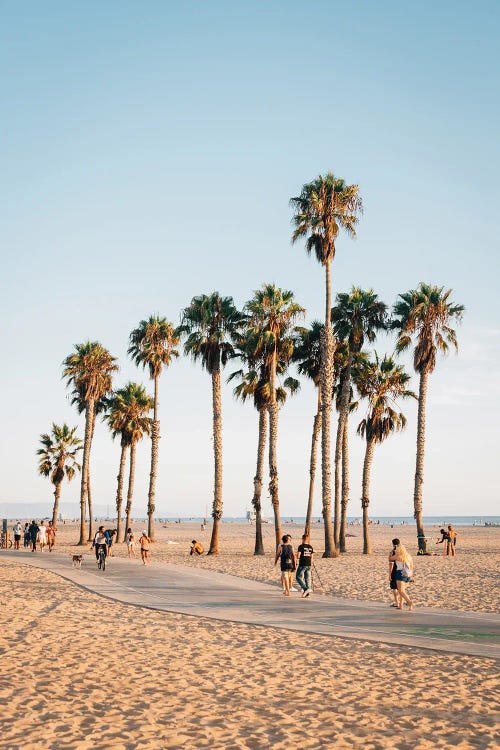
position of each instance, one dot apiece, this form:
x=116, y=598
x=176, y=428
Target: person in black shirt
x=303, y=574
x=392, y=575
x=286, y=556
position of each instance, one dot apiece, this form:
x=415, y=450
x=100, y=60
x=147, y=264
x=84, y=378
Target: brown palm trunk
x=419, y=470
x=328, y=351
x=130, y=490
x=89, y=420
x=55, y=509
x=89, y=488
x=312, y=464
x=119, y=491
x=345, y=382
x=257, y=481
x=273, y=458
x=365, y=500
x=217, y=437
x=345, y=485
x=155, y=446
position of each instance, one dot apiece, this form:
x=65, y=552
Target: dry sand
x=81, y=672
x=468, y=581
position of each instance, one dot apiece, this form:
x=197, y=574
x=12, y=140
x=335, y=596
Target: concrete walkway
x=203, y=593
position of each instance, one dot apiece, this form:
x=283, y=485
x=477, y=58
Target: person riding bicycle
x=101, y=541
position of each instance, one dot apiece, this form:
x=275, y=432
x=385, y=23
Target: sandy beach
x=82, y=672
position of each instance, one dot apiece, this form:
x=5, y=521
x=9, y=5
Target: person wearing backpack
x=286, y=556
x=404, y=573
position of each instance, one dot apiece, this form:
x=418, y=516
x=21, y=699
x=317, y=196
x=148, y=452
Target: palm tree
x=153, y=345
x=272, y=314
x=356, y=316
x=325, y=206
x=139, y=425
x=89, y=370
x=381, y=383
x=211, y=324
x=256, y=385
x=126, y=417
x=307, y=355
x=424, y=315
x=58, y=458
x=99, y=407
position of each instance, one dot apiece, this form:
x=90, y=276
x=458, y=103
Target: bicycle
x=101, y=559
x=5, y=542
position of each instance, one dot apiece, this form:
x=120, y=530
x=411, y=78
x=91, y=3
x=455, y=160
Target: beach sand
x=81, y=672
x=469, y=581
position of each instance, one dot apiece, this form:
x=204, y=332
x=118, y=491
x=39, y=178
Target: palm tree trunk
x=57, y=495
x=312, y=464
x=419, y=470
x=89, y=488
x=155, y=446
x=130, y=490
x=217, y=436
x=257, y=481
x=328, y=351
x=273, y=442
x=345, y=382
x=345, y=485
x=89, y=419
x=365, y=500
x=119, y=491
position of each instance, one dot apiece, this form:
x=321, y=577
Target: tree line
x=267, y=339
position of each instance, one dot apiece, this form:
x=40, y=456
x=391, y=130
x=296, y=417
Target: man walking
x=303, y=574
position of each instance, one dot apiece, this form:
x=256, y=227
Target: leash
x=319, y=579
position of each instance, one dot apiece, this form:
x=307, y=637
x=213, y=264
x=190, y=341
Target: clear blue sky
x=148, y=151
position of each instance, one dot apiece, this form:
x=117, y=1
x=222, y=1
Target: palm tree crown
x=357, y=315
x=307, y=351
x=58, y=453
x=90, y=370
x=381, y=382
x=425, y=313
x=272, y=314
x=127, y=410
x=324, y=206
x=211, y=323
x=152, y=344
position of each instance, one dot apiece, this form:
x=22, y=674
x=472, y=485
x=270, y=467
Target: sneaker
x=308, y=592
x=303, y=593
x=292, y=588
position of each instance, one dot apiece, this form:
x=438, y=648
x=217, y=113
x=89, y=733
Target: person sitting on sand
x=392, y=575
x=286, y=556
x=404, y=572
x=144, y=542
x=196, y=548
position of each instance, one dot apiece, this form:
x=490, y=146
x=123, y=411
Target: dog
x=77, y=561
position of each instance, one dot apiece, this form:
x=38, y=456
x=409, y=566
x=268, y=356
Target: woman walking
x=144, y=542
x=392, y=576
x=286, y=556
x=404, y=572
x=130, y=539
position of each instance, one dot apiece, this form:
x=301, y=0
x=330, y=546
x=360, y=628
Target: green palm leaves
x=58, y=456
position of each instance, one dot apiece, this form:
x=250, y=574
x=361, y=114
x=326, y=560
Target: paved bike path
x=204, y=593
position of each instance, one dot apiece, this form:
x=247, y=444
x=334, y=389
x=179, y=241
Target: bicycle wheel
x=103, y=561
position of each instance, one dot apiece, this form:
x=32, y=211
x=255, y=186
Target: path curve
x=205, y=593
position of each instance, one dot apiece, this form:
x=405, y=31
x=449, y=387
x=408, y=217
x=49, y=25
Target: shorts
x=17, y=537
x=393, y=584
x=401, y=577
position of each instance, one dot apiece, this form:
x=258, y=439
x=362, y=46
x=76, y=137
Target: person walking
x=452, y=540
x=145, y=541
x=33, y=531
x=26, y=535
x=42, y=535
x=130, y=540
x=303, y=575
x=286, y=556
x=392, y=575
x=404, y=573
x=18, y=530
x=51, y=536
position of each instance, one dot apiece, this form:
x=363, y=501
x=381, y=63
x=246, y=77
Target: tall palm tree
x=153, y=345
x=211, y=324
x=99, y=408
x=356, y=316
x=126, y=417
x=424, y=316
x=272, y=314
x=255, y=385
x=89, y=370
x=139, y=425
x=307, y=355
x=325, y=206
x=58, y=458
x=381, y=382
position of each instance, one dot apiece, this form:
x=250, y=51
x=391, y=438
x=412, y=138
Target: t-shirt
x=17, y=529
x=42, y=532
x=305, y=555
x=100, y=538
x=286, y=555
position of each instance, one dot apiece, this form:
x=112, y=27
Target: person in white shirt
x=42, y=535
x=18, y=530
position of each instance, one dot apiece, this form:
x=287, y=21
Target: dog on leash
x=77, y=561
